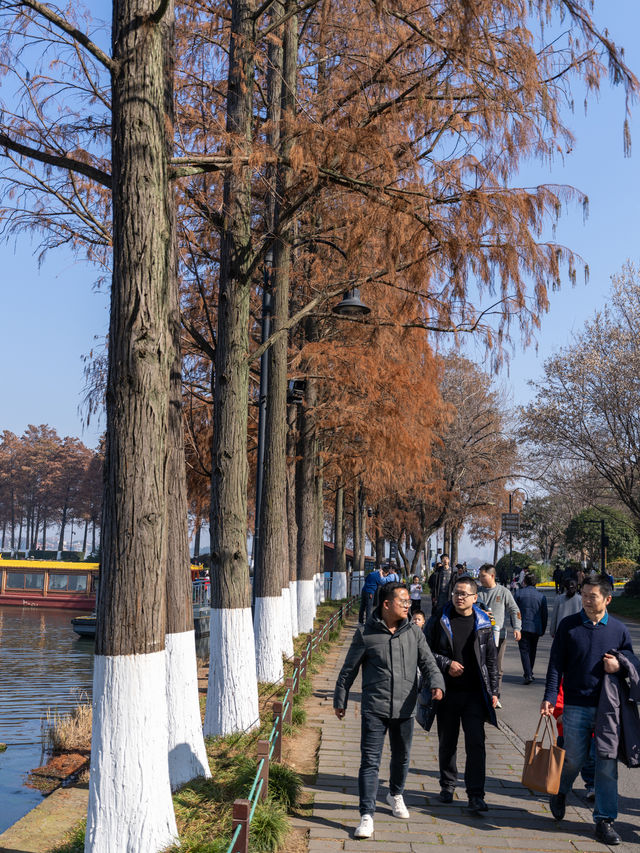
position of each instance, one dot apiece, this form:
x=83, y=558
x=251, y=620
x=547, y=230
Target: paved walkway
x=517, y=820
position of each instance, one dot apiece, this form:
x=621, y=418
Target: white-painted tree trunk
x=321, y=596
x=306, y=605
x=339, y=586
x=267, y=628
x=187, y=752
x=287, y=633
x=293, y=601
x=232, y=694
x=130, y=806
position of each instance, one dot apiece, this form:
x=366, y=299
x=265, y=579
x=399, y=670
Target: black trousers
x=469, y=710
x=528, y=645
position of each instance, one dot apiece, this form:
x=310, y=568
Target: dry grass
x=69, y=732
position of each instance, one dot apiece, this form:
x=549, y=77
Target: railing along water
x=271, y=749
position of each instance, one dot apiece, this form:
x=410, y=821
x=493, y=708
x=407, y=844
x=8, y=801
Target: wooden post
x=277, y=713
x=303, y=665
x=288, y=683
x=263, y=752
x=296, y=666
x=241, y=810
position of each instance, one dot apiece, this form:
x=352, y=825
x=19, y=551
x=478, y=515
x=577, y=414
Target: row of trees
x=367, y=145
x=46, y=484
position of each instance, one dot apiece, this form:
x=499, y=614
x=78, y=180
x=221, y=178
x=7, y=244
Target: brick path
x=517, y=819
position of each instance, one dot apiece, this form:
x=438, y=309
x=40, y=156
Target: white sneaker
x=365, y=829
x=397, y=806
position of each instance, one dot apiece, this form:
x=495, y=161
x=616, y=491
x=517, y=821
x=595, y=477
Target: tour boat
x=48, y=583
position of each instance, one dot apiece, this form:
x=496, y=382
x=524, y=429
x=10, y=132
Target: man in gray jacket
x=390, y=651
x=498, y=602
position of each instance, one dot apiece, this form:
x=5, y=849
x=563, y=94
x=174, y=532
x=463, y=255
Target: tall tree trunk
x=196, y=540
x=63, y=523
x=306, y=515
x=130, y=806
x=496, y=542
x=339, y=579
x=232, y=695
x=455, y=532
x=44, y=533
x=320, y=537
x=186, y=748
x=292, y=525
x=269, y=576
x=93, y=537
x=356, y=532
x=85, y=536
x=446, y=540
x=362, y=524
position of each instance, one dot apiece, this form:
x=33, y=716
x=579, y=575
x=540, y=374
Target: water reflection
x=43, y=665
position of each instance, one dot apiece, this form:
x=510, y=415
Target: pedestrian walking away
x=558, y=577
x=371, y=584
x=498, y=603
x=592, y=656
x=569, y=603
x=390, y=650
x=534, y=613
x=461, y=639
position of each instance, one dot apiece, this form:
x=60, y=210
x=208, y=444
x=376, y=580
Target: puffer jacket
x=440, y=639
x=390, y=663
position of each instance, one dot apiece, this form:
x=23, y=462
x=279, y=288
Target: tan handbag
x=543, y=764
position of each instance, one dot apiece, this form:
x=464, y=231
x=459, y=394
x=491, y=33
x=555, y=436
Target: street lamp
x=351, y=305
x=526, y=500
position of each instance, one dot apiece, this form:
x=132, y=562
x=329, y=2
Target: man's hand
x=340, y=712
x=517, y=636
x=611, y=663
x=546, y=709
x=436, y=694
x=455, y=669
x=494, y=701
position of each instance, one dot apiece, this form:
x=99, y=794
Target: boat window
x=71, y=583
x=25, y=580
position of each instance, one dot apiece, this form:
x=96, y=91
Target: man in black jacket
x=390, y=650
x=462, y=643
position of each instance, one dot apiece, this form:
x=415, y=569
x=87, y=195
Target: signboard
x=393, y=550
x=511, y=522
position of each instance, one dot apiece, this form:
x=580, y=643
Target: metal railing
x=271, y=749
x=201, y=592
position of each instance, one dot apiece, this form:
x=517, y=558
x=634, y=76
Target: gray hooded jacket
x=390, y=663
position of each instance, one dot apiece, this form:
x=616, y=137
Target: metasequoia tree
x=143, y=497
x=585, y=410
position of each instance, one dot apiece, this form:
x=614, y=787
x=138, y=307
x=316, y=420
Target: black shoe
x=557, y=804
x=527, y=679
x=446, y=796
x=606, y=833
x=477, y=804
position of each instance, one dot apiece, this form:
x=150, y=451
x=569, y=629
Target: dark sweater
x=576, y=657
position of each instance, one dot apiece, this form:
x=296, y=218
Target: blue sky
x=52, y=315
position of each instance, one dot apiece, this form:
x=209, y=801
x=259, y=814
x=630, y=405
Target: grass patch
x=625, y=607
x=69, y=732
x=74, y=842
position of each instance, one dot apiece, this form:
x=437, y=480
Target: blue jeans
x=373, y=730
x=578, y=724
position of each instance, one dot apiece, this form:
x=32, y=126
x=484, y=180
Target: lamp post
x=267, y=311
x=511, y=493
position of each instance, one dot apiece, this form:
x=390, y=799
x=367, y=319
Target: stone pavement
x=517, y=820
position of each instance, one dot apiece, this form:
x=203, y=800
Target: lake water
x=43, y=665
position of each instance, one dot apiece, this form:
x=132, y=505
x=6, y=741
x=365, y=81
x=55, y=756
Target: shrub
x=285, y=786
x=74, y=842
x=268, y=829
x=632, y=587
x=622, y=568
x=70, y=732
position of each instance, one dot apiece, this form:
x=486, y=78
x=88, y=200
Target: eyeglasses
x=403, y=602
x=463, y=594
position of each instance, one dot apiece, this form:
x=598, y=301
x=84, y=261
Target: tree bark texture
x=132, y=612
x=306, y=513
x=228, y=525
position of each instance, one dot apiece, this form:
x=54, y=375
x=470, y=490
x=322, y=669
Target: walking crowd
x=447, y=670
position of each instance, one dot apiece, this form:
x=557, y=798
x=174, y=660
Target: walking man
x=566, y=605
x=499, y=602
x=583, y=653
x=390, y=651
x=461, y=639
x=371, y=583
x=534, y=612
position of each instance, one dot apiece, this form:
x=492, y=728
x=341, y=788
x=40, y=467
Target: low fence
x=271, y=749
